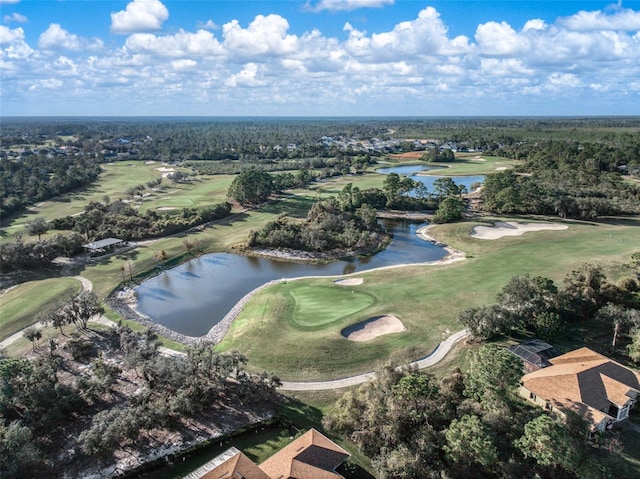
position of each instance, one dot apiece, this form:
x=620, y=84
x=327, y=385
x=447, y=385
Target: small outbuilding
x=104, y=245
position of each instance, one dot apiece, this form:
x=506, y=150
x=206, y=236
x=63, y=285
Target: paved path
x=436, y=356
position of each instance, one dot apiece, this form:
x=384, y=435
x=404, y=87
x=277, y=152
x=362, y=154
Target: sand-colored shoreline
x=501, y=229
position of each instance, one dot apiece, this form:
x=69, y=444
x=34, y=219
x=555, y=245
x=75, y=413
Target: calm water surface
x=193, y=297
x=427, y=180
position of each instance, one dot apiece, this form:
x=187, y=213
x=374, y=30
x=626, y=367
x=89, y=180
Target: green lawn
x=318, y=306
x=427, y=299
x=113, y=182
x=22, y=306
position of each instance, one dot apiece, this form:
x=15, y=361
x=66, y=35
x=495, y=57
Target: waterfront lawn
x=26, y=303
x=427, y=299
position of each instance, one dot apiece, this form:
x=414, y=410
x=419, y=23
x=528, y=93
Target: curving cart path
x=436, y=356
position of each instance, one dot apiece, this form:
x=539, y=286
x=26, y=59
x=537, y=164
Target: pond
x=193, y=297
x=427, y=180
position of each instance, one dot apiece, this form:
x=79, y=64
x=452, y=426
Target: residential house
x=597, y=388
x=310, y=456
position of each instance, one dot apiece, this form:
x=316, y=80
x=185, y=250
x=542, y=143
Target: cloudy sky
x=319, y=57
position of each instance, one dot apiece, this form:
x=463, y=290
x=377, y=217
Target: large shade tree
x=252, y=186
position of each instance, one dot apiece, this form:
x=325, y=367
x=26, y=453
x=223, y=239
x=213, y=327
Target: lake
x=427, y=180
x=196, y=295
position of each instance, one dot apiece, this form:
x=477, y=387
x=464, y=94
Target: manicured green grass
x=23, y=305
x=319, y=306
x=113, y=182
x=427, y=299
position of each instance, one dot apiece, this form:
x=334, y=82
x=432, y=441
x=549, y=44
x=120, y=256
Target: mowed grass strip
x=23, y=305
x=318, y=306
x=427, y=299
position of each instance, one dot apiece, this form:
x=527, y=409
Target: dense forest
x=88, y=397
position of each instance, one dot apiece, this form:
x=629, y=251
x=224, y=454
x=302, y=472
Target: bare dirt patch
x=349, y=281
x=373, y=327
x=500, y=229
x=408, y=155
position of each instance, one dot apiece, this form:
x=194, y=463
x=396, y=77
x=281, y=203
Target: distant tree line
x=568, y=179
x=412, y=424
x=119, y=219
x=50, y=410
x=38, y=178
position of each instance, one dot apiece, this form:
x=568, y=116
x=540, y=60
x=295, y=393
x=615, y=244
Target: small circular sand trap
x=349, y=281
x=372, y=328
x=500, y=229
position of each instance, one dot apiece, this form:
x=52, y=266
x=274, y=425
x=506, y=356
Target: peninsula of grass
x=26, y=303
x=427, y=299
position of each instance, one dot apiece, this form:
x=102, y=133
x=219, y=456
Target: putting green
x=318, y=306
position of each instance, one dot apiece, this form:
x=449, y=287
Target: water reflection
x=428, y=180
x=193, y=297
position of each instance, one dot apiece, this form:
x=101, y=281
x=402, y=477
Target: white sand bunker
x=372, y=328
x=501, y=168
x=349, y=281
x=500, y=229
x=166, y=208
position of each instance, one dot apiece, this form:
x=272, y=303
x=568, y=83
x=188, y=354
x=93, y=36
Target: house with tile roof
x=310, y=456
x=597, y=388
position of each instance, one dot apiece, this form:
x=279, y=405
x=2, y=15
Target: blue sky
x=319, y=58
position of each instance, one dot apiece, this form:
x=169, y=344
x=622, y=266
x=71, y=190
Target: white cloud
x=424, y=36
x=347, y=5
x=200, y=44
x=499, y=39
x=8, y=1
x=260, y=66
x=621, y=19
x=57, y=38
x=15, y=17
x=47, y=83
x=535, y=24
x=139, y=16
x=8, y=35
x=265, y=36
x=247, y=77
x=184, y=64
x=209, y=25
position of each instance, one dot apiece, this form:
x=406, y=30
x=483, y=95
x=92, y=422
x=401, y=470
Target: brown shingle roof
x=311, y=456
x=584, y=376
x=232, y=464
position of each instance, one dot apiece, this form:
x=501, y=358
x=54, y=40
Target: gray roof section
x=104, y=243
